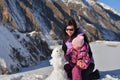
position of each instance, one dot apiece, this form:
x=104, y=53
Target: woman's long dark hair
x=70, y=22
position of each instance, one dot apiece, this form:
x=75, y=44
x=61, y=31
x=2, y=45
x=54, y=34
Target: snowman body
x=57, y=62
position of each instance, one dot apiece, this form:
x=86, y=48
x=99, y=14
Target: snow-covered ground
x=106, y=56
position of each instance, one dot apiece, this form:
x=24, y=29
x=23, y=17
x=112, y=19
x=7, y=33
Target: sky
x=106, y=57
x=112, y=3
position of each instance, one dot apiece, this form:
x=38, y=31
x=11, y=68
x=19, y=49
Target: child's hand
x=81, y=64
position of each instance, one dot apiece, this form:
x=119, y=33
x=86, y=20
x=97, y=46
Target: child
x=77, y=57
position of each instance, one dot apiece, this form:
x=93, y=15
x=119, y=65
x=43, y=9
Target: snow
x=8, y=40
x=84, y=3
x=16, y=16
x=106, y=56
x=109, y=8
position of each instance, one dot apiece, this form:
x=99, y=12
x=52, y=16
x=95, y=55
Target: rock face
x=28, y=28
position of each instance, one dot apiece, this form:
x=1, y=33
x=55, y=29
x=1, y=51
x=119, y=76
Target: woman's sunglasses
x=70, y=29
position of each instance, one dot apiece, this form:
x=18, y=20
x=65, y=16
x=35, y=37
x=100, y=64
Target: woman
x=70, y=32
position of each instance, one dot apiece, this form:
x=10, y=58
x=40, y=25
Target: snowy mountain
x=29, y=29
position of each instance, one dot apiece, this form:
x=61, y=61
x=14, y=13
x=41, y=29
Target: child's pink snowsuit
x=72, y=56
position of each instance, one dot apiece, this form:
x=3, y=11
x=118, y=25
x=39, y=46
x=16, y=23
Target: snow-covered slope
x=17, y=51
x=109, y=8
x=106, y=55
x=8, y=46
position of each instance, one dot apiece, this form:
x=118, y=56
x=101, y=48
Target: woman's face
x=70, y=30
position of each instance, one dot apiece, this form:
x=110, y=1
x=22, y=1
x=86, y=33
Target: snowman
x=57, y=62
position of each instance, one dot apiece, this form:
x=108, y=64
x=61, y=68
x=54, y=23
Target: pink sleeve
x=84, y=56
x=86, y=61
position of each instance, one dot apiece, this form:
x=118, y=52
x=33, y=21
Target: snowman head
x=57, y=58
x=57, y=52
